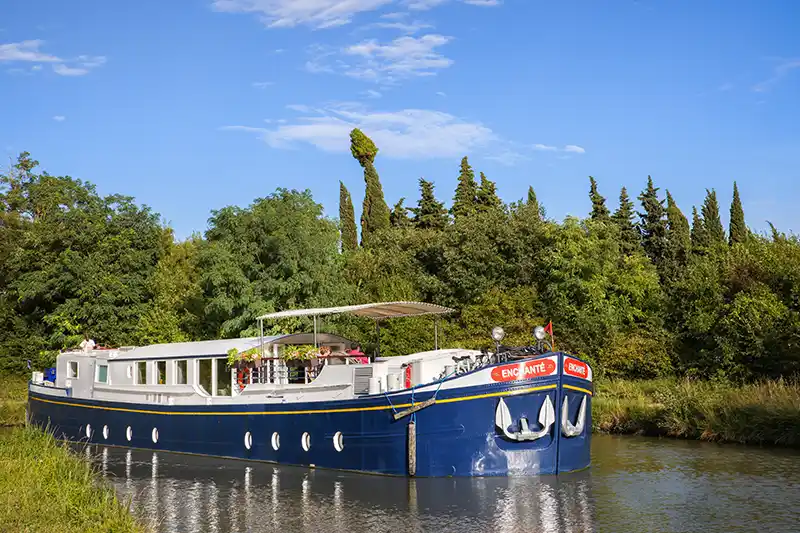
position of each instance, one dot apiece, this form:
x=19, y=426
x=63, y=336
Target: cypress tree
x=737, y=228
x=599, y=210
x=623, y=217
x=487, y=198
x=715, y=233
x=464, y=201
x=399, y=215
x=375, y=212
x=653, y=225
x=680, y=238
x=534, y=202
x=699, y=236
x=429, y=213
x=347, y=220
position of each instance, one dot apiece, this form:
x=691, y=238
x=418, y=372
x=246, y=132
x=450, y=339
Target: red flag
x=549, y=328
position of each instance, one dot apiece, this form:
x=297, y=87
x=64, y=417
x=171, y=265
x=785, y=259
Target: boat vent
x=361, y=380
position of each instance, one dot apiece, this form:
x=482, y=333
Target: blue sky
x=196, y=104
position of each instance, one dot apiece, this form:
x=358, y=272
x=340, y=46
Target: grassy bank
x=765, y=413
x=13, y=396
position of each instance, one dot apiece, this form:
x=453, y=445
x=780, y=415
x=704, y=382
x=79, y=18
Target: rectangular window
x=72, y=372
x=141, y=373
x=205, y=375
x=161, y=372
x=180, y=372
x=102, y=374
x=223, y=377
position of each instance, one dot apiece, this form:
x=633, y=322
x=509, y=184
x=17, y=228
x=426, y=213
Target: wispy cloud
x=441, y=93
x=430, y=4
x=404, y=27
x=779, y=72
x=570, y=148
x=263, y=84
x=403, y=134
x=507, y=157
x=29, y=51
x=370, y=93
x=289, y=13
x=59, y=118
x=395, y=15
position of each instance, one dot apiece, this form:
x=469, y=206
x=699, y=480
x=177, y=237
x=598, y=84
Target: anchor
x=547, y=417
x=566, y=426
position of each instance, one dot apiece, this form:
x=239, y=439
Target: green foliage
x=399, y=218
x=680, y=237
x=699, y=236
x=653, y=226
x=715, y=233
x=599, y=210
x=374, y=212
x=533, y=202
x=362, y=148
x=487, y=199
x=629, y=237
x=429, y=213
x=347, y=220
x=737, y=229
x=465, y=199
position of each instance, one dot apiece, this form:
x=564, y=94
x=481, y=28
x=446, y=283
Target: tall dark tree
x=653, y=225
x=374, y=212
x=623, y=217
x=347, y=220
x=712, y=222
x=699, y=236
x=599, y=210
x=487, y=198
x=737, y=229
x=534, y=202
x=680, y=238
x=429, y=213
x=399, y=215
x=464, y=201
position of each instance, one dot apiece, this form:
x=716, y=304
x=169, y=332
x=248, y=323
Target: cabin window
x=161, y=372
x=180, y=372
x=205, y=375
x=73, y=369
x=102, y=374
x=223, y=377
x=141, y=373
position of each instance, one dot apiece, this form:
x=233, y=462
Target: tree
x=737, y=229
x=374, y=212
x=599, y=210
x=715, y=233
x=347, y=220
x=653, y=226
x=429, y=213
x=399, y=215
x=533, y=202
x=630, y=240
x=680, y=238
x=487, y=198
x=464, y=201
x=699, y=236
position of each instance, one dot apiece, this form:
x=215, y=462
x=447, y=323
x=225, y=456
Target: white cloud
x=404, y=27
x=370, y=93
x=574, y=149
x=404, y=134
x=570, y=148
x=544, y=148
x=441, y=93
x=26, y=51
x=289, y=13
x=59, y=118
x=780, y=72
x=396, y=15
x=421, y=5
x=403, y=57
x=263, y=84
x=63, y=70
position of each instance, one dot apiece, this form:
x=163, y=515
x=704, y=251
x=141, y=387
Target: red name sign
x=573, y=367
x=531, y=369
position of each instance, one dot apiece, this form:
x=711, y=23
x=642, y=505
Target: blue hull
x=456, y=436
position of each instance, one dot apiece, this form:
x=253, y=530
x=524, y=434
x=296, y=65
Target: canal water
x=635, y=485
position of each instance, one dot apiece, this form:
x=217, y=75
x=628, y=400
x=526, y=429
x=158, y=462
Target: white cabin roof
x=373, y=310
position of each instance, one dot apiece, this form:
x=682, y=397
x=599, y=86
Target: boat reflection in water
x=181, y=493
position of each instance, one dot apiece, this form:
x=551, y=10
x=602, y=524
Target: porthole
x=88, y=431
x=306, y=441
x=105, y=432
x=248, y=440
x=276, y=441
x=155, y=435
x=129, y=433
x=338, y=441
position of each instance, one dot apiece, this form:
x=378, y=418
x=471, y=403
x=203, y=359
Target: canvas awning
x=374, y=310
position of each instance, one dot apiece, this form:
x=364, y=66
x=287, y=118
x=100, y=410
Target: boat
x=314, y=400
